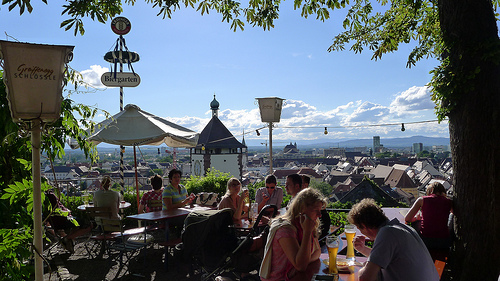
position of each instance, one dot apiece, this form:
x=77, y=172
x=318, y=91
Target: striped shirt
x=171, y=192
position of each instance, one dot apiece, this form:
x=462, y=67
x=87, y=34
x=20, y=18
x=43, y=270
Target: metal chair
x=122, y=244
x=98, y=235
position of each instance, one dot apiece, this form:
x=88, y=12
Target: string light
x=358, y=126
x=326, y=128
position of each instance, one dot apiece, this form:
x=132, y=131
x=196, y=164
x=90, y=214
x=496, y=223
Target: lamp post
x=34, y=80
x=270, y=111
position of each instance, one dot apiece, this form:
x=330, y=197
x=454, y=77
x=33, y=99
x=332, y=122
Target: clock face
x=197, y=168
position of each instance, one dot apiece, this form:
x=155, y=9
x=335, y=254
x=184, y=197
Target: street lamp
x=270, y=111
x=33, y=77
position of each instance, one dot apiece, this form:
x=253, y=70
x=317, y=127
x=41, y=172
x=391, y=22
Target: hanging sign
x=120, y=25
x=120, y=79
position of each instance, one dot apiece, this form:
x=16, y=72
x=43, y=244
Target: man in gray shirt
x=398, y=253
x=271, y=194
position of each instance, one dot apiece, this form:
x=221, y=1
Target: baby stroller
x=210, y=242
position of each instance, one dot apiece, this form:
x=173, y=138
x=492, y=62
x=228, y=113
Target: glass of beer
x=332, y=243
x=85, y=199
x=350, y=232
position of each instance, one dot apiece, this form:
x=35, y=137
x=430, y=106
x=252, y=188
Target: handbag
x=207, y=199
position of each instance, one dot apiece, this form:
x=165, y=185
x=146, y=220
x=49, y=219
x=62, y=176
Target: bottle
x=255, y=211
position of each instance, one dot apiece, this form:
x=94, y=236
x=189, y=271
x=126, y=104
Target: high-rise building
x=418, y=147
x=376, y=144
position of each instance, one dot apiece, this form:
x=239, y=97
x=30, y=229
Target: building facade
x=217, y=148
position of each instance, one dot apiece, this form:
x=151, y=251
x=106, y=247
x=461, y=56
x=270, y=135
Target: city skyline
x=189, y=58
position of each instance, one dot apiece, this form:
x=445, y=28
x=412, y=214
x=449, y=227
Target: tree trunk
x=471, y=36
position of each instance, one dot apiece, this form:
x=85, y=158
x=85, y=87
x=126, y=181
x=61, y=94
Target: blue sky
x=189, y=58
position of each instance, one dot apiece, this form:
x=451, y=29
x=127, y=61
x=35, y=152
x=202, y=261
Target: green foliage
x=13, y=251
x=339, y=219
x=155, y=172
x=252, y=189
x=214, y=181
x=166, y=159
x=325, y=188
x=425, y=154
x=386, y=154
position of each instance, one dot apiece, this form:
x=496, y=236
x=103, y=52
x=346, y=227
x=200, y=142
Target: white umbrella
x=133, y=126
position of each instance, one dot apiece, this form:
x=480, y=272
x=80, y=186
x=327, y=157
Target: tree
x=325, y=188
x=462, y=34
x=214, y=181
x=386, y=154
x=425, y=154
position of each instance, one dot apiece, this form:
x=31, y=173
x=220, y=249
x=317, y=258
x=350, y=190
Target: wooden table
x=351, y=275
x=123, y=205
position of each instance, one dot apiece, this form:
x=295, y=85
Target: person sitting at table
x=270, y=194
x=108, y=198
x=61, y=224
x=233, y=200
x=292, y=244
x=435, y=211
x=398, y=253
x=151, y=201
x=175, y=194
x=294, y=184
x=306, y=180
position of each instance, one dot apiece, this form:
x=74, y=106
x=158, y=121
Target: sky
x=185, y=60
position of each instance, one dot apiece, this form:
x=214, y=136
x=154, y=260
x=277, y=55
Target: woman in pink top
x=435, y=209
x=292, y=244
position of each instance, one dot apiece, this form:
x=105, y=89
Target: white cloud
x=356, y=119
x=367, y=113
x=412, y=101
x=93, y=75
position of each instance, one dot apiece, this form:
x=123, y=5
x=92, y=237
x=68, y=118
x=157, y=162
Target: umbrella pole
x=136, y=180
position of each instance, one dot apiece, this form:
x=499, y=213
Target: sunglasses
x=271, y=187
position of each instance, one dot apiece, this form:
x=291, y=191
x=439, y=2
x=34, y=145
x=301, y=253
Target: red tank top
x=435, y=212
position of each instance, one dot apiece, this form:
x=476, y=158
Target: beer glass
x=350, y=232
x=85, y=199
x=332, y=243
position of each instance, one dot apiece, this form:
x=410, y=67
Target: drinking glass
x=332, y=243
x=246, y=200
x=350, y=232
x=254, y=207
x=86, y=199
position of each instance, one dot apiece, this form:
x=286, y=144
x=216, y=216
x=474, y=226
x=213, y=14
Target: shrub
x=214, y=181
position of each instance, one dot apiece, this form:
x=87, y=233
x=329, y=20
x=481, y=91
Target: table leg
x=167, y=230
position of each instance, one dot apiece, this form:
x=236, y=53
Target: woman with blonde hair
x=292, y=244
x=233, y=200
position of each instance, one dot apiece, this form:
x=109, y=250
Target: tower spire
x=214, y=106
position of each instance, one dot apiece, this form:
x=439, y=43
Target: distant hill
x=386, y=142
